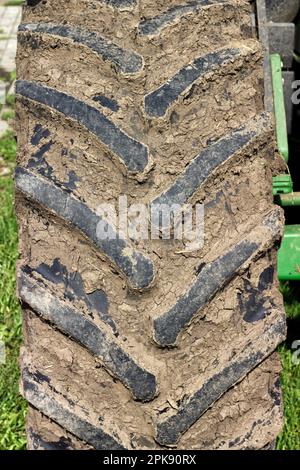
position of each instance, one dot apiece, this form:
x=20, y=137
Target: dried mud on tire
x=146, y=344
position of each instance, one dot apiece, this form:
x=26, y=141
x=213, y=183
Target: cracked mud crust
x=146, y=344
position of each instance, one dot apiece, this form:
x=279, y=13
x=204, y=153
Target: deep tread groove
x=158, y=101
x=210, y=280
x=203, y=165
x=170, y=429
x=40, y=399
x=132, y=153
x=38, y=443
x=141, y=383
x=125, y=61
x=136, y=267
x=153, y=26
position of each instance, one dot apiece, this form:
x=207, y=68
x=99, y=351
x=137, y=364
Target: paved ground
x=10, y=17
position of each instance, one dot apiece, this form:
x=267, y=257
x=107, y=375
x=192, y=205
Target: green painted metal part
x=289, y=200
x=279, y=106
x=289, y=254
x=282, y=184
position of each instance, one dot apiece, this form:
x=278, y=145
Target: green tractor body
x=289, y=253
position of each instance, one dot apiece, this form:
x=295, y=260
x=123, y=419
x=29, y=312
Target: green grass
x=8, y=115
x=12, y=406
x=289, y=439
x=8, y=149
x=13, y=3
x=291, y=295
x=10, y=100
x=12, y=76
x=5, y=37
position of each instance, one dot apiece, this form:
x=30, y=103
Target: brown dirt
x=237, y=197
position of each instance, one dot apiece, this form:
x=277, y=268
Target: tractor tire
x=158, y=343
